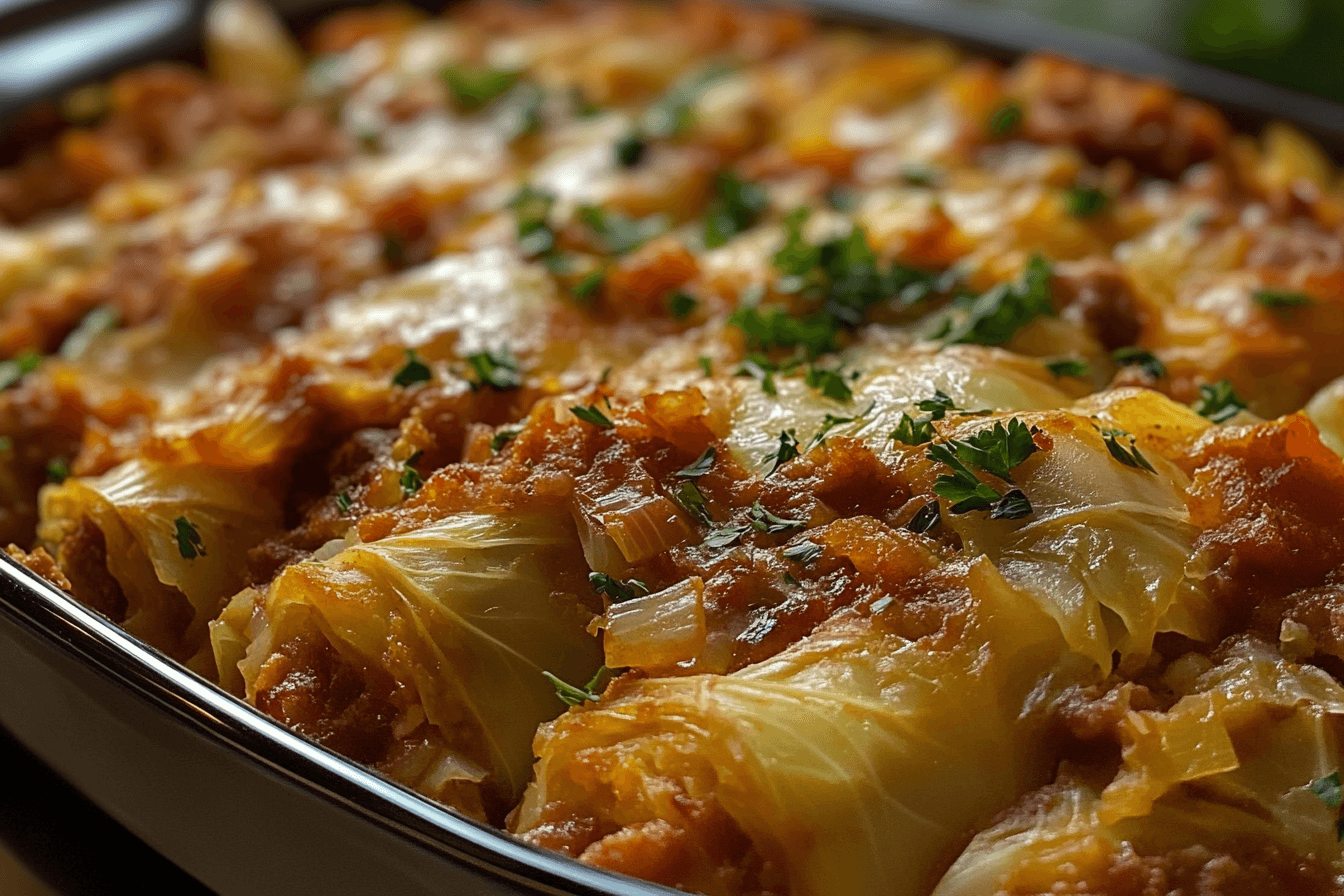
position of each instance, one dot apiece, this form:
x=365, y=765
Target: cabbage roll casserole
x=760, y=457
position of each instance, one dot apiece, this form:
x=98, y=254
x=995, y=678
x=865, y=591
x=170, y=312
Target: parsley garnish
x=926, y=519
x=997, y=451
x=680, y=304
x=1131, y=456
x=1133, y=356
x=994, y=317
x=524, y=114
x=1328, y=790
x=726, y=536
x=532, y=209
x=343, y=503
x=913, y=430
x=189, y=543
x=496, y=369
x=413, y=371
x=630, y=149
x=615, y=588
x=804, y=551
x=706, y=365
x=830, y=383
x=672, y=114
x=1012, y=506
x=917, y=175
x=97, y=322
x=592, y=415
x=410, y=477
x=962, y=487
x=503, y=436
x=1282, y=300
x=829, y=423
x=572, y=695
x=18, y=367
x=591, y=282
x=1084, y=202
x=1068, y=367
x=620, y=234
x=937, y=406
x=737, y=206
x=692, y=499
x=1218, y=402
x=763, y=520
x=760, y=368
x=58, y=470
x=787, y=450
x=1005, y=119
x=700, y=466
x=474, y=88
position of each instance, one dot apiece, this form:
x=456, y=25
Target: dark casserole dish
x=596, y=447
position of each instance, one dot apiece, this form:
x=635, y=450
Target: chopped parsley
x=532, y=208
x=1133, y=356
x=1012, y=506
x=1084, y=202
x=761, y=368
x=706, y=365
x=410, y=476
x=1282, y=300
x=524, y=114
x=503, y=436
x=829, y=423
x=994, y=317
x=475, y=87
x=700, y=466
x=999, y=449
x=17, y=368
x=572, y=695
x=1218, y=402
x=58, y=470
x=803, y=552
x=616, y=589
x=1005, y=119
x=937, y=406
x=692, y=499
x=726, y=536
x=591, y=414
x=1068, y=367
x=630, y=150
x=831, y=383
x=681, y=304
x=100, y=320
x=763, y=520
x=737, y=206
x=920, y=175
x=413, y=371
x=913, y=430
x=1328, y=790
x=189, y=543
x=496, y=369
x=620, y=234
x=1129, y=456
x=996, y=451
x=787, y=451
x=588, y=285
x=671, y=115
x=343, y=503
x=926, y=519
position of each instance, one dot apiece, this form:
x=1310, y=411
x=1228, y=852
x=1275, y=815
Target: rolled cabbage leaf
x=462, y=616
x=176, y=540
x=1252, y=736
x=858, y=760
x=1106, y=546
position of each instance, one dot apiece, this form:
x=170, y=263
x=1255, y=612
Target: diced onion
x=657, y=631
x=639, y=524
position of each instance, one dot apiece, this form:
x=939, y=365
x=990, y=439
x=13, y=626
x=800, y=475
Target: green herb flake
x=1133, y=356
x=413, y=371
x=591, y=414
x=18, y=367
x=672, y=114
x=961, y=487
x=572, y=695
x=994, y=317
x=503, y=436
x=785, y=452
x=763, y=520
x=803, y=552
x=999, y=449
x=496, y=369
x=6, y=444
x=829, y=423
x=1218, y=402
x=926, y=519
x=1084, y=202
x=1005, y=119
x=58, y=470
x=473, y=88
x=1068, y=367
x=630, y=149
x=693, y=501
x=532, y=208
x=706, y=365
x=620, y=234
x=343, y=503
x=100, y=320
x=189, y=543
x=700, y=466
x=1129, y=456
x=913, y=430
x=411, y=482
x=830, y=383
x=1012, y=506
x=737, y=206
x=726, y=536
x=1281, y=301
x=616, y=589
x=681, y=304
x=1328, y=790
x=920, y=175
x=585, y=289
x=937, y=406
x=996, y=451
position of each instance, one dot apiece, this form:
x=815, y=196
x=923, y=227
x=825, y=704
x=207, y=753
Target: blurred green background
x=1293, y=43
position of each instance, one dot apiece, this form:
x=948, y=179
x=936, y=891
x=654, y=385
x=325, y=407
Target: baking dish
x=234, y=798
